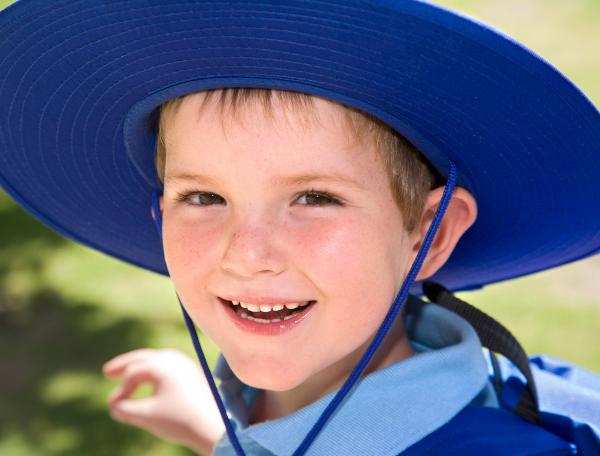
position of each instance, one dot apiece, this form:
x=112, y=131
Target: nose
x=252, y=250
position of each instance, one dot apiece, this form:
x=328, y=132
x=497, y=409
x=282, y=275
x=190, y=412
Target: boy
x=269, y=211
x=281, y=244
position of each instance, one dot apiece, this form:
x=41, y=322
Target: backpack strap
x=497, y=339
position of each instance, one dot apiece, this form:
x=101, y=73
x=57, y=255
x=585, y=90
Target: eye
x=200, y=198
x=318, y=198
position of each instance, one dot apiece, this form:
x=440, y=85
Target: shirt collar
x=390, y=409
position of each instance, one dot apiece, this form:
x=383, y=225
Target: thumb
x=134, y=375
x=137, y=412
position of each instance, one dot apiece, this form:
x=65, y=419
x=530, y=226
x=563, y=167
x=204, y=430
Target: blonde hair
x=410, y=175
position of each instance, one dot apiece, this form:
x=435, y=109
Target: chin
x=272, y=376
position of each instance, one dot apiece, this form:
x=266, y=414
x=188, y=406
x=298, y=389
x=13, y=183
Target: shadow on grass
x=51, y=352
x=24, y=242
x=46, y=339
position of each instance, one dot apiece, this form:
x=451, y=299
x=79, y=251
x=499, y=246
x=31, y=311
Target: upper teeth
x=269, y=307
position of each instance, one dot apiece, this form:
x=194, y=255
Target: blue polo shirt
x=389, y=410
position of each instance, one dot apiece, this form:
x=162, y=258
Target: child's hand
x=181, y=408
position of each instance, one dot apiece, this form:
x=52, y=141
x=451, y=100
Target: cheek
x=190, y=251
x=354, y=267
x=327, y=244
x=346, y=259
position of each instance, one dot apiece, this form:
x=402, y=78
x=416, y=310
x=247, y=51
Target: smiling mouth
x=268, y=314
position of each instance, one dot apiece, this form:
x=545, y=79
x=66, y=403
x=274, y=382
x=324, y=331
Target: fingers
x=116, y=366
x=138, y=412
x=133, y=376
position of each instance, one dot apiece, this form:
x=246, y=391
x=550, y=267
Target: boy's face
x=262, y=234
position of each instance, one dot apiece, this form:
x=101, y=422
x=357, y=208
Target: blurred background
x=65, y=309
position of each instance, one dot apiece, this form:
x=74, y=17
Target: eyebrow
x=303, y=179
x=300, y=179
x=199, y=178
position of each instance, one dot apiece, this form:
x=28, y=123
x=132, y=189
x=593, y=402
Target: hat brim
x=81, y=81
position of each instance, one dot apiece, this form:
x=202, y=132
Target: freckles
x=327, y=237
x=189, y=245
x=334, y=254
x=313, y=238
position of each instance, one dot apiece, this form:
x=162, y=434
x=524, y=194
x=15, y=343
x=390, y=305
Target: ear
x=459, y=216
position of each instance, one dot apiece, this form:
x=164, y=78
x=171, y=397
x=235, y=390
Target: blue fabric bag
x=488, y=431
x=569, y=399
x=554, y=394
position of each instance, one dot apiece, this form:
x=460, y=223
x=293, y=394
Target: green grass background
x=65, y=309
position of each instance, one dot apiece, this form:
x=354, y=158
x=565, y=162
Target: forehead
x=312, y=130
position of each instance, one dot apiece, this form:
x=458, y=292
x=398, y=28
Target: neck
x=270, y=405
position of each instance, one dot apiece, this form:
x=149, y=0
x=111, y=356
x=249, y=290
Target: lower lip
x=266, y=329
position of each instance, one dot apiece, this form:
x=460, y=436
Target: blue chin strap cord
x=156, y=215
x=369, y=353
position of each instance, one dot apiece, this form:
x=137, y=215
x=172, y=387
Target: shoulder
x=490, y=431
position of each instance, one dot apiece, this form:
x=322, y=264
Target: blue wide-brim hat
x=80, y=83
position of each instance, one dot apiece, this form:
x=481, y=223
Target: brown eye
x=201, y=199
x=317, y=199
